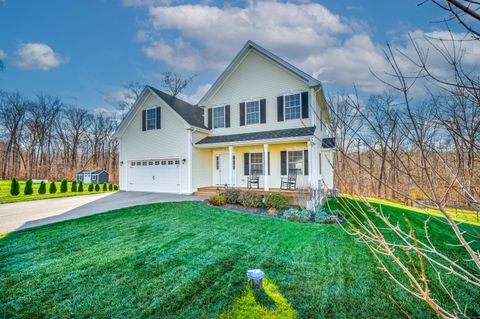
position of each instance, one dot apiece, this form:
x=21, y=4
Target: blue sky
x=85, y=51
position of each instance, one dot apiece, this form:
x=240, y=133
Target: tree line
x=44, y=138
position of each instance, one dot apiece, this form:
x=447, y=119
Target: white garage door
x=161, y=175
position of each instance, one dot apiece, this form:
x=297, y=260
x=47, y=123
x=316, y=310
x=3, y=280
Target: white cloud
x=199, y=93
x=3, y=55
x=334, y=49
x=38, y=56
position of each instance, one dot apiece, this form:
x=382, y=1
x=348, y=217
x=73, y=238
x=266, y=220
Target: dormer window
x=293, y=106
x=252, y=112
x=219, y=117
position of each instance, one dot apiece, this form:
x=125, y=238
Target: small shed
x=92, y=176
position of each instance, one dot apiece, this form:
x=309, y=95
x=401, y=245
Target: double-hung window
x=293, y=106
x=256, y=163
x=252, y=112
x=295, y=162
x=219, y=117
x=151, y=119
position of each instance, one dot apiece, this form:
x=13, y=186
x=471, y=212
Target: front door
x=221, y=169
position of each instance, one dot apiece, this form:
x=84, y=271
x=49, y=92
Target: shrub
x=105, y=188
x=97, y=187
x=90, y=187
x=115, y=187
x=110, y=187
x=14, y=187
x=80, y=186
x=297, y=215
x=73, y=189
x=325, y=217
x=43, y=188
x=251, y=199
x=218, y=200
x=28, y=187
x=276, y=201
x=64, y=186
x=232, y=195
x=53, y=188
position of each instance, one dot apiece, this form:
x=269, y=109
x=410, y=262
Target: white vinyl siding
x=144, y=147
x=292, y=106
x=252, y=112
x=256, y=77
x=219, y=117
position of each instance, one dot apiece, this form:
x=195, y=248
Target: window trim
x=155, y=118
x=224, y=116
x=284, y=105
x=303, y=160
x=259, y=111
x=250, y=162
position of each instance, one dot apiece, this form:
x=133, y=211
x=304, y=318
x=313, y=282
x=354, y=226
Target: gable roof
x=265, y=135
x=264, y=52
x=192, y=114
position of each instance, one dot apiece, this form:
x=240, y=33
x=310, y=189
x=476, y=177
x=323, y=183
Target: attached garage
x=157, y=175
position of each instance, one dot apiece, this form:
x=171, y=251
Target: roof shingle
x=266, y=135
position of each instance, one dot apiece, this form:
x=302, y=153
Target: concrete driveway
x=29, y=214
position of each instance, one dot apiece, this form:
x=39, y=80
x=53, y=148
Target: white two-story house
x=262, y=118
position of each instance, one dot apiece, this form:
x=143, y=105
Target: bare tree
x=175, y=83
x=13, y=109
x=464, y=12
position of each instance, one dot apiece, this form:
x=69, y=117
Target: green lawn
x=188, y=260
x=5, y=196
x=460, y=215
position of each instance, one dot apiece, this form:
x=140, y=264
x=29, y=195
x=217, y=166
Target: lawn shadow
x=257, y=303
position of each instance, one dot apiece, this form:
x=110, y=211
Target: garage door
x=161, y=175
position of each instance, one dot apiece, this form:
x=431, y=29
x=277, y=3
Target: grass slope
x=5, y=196
x=188, y=260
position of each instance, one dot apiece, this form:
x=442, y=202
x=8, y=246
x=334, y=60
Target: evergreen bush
x=14, y=187
x=217, y=200
x=251, y=199
x=43, y=188
x=276, y=201
x=80, y=186
x=73, y=188
x=90, y=187
x=28, y=187
x=64, y=186
x=115, y=187
x=97, y=187
x=110, y=187
x=105, y=187
x=53, y=188
x=232, y=195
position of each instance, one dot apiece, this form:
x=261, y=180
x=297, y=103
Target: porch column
x=230, y=165
x=311, y=174
x=265, y=167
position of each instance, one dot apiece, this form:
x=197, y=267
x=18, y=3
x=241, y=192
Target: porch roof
x=289, y=134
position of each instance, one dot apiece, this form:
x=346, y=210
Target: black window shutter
x=263, y=111
x=242, y=114
x=227, y=115
x=159, y=118
x=280, y=108
x=283, y=163
x=268, y=163
x=305, y=162
x=209, y=119
x=305, y=105
x=246, y=162
x=144, y=120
